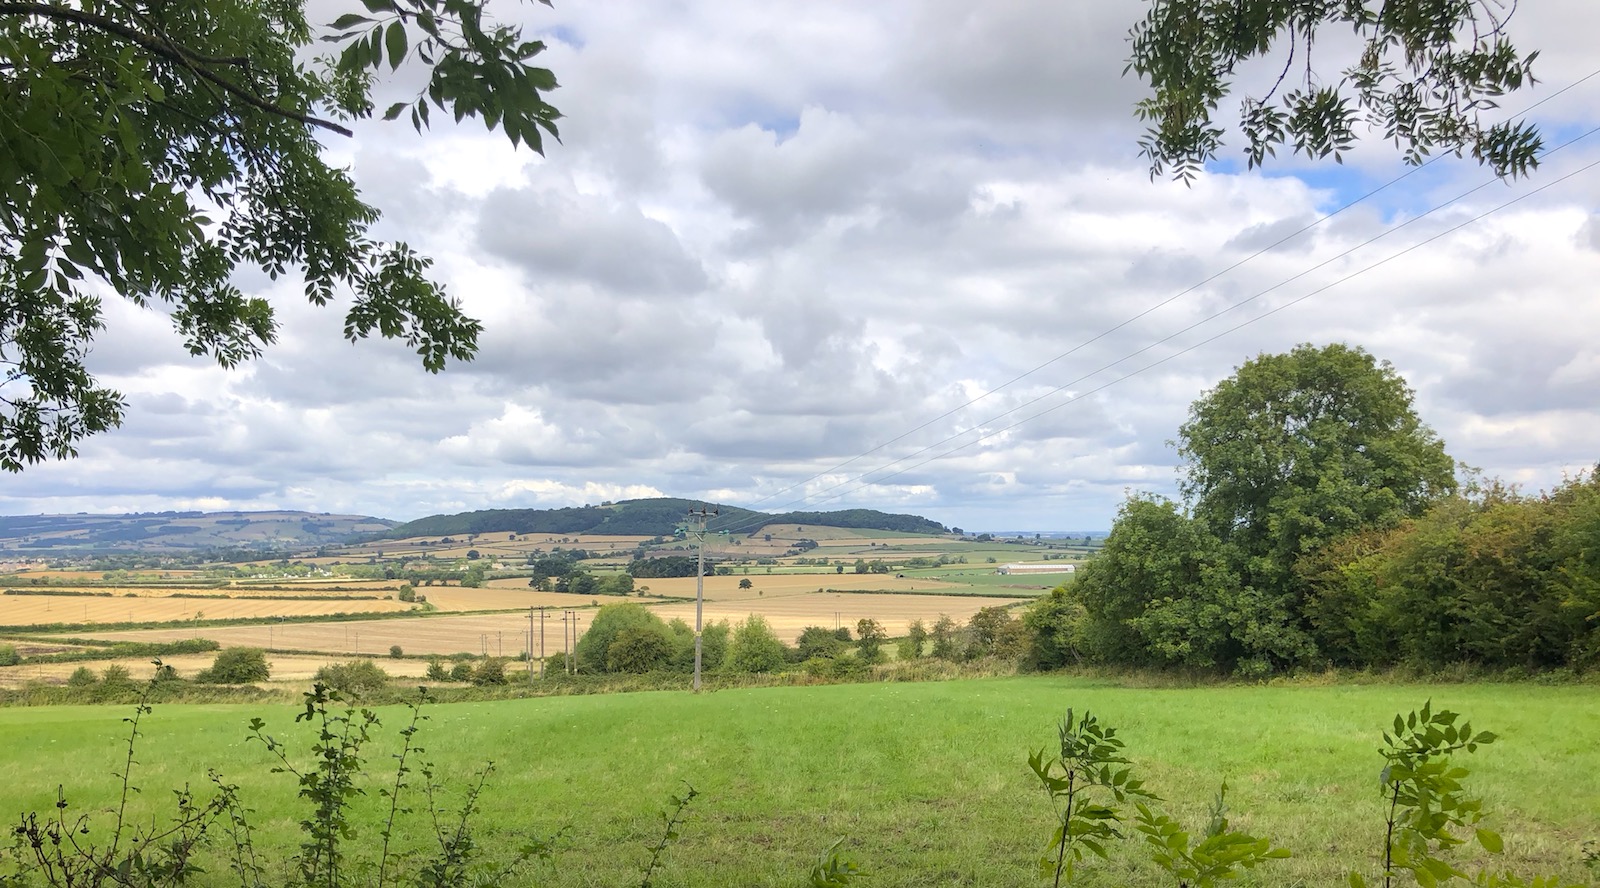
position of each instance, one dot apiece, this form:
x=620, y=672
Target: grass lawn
x=928, y=782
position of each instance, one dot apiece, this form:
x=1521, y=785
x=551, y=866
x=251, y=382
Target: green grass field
x=928, y=782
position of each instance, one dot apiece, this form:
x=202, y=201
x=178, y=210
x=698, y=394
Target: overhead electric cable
x=1210, y=339
x=862, y=480
x=1147, y=311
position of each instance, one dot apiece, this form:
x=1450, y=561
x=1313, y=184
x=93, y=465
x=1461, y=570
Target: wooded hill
x=171, y=531
x=646, y=517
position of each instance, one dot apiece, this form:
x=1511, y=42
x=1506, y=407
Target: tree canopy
x=1288, y=456
x=151, y=149
x=1422, y=74
x=1296, y=449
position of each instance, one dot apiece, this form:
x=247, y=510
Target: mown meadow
x=927, y=783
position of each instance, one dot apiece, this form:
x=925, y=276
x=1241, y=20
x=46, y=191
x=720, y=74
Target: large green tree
x=1290, y=455
x=150, y=148
x=1420, y=73
x=1294, y=450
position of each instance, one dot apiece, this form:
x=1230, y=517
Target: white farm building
x=1037, y=567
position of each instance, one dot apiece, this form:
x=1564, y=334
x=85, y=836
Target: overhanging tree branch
x=172, y=52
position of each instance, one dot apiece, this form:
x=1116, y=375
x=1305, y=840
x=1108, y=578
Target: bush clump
x=236, y=666
x=9, y=655
x=357, y=677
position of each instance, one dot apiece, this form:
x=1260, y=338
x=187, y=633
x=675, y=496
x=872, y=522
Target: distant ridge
x=170, y=531
x=659, y=516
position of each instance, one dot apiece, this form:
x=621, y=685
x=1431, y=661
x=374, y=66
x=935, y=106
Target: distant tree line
x=667, y=566
x=630, y=638
x=648, y=517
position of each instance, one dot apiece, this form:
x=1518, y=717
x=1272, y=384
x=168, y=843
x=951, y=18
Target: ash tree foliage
x=1422, y=73
x=151, y=149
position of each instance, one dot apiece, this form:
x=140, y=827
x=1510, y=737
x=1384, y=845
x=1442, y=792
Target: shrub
x=609, y=623
x=9, y=655
x=83, y=677
x=640, y=650
x=911, y=645
x=755, y=648
x=396, y=651
x=116, y=676
x=236, y=666
x=820, y=641
x=408, y=592
x=490, y=672
x=357, y=677
x=436, y=670
x=461, y=670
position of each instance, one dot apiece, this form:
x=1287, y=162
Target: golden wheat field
x=37, y=610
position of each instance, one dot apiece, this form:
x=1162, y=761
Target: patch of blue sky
x=566, y=35
x=1394, y=191
x=781, y=123
x=1555, y=135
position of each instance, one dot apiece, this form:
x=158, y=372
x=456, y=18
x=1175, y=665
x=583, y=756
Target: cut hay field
x=927, y=784
x=788, y=612
x=34, y=610
x=499, y=595
x=285, y=667
x=724, y=588
x=502, y=633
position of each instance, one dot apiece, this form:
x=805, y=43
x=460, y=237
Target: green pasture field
x=984, y=579
x=927, y=783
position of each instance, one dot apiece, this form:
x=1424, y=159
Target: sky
x=896, y=255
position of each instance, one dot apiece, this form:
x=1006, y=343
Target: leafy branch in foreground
x=1424, y=74
x=1215, y=857
x=670, y=822
x=59, y=850
x=1428, y=804
x=1077, y=782
x=154, y=148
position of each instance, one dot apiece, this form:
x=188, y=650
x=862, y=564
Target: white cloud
x=776, y=247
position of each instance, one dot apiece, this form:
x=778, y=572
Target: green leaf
x=349, y=20
x=395, y=40
x=1490, y=840
x=394, y=111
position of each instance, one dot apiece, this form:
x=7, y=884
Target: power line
x=1213, y=338
x=1147, y=311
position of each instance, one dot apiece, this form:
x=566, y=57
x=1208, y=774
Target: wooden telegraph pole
x=697, y=526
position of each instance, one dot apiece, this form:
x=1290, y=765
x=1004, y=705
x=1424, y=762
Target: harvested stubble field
x=926, y=783
x=504, y=634
x=285, y=667
x=38, y=610
x=789, y=613
x=727, y=588
x=499, y=595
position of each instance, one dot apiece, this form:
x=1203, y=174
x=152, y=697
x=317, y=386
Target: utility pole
x=697, y=526
x=566, y=649
x=530, y=646
x=541, y=642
